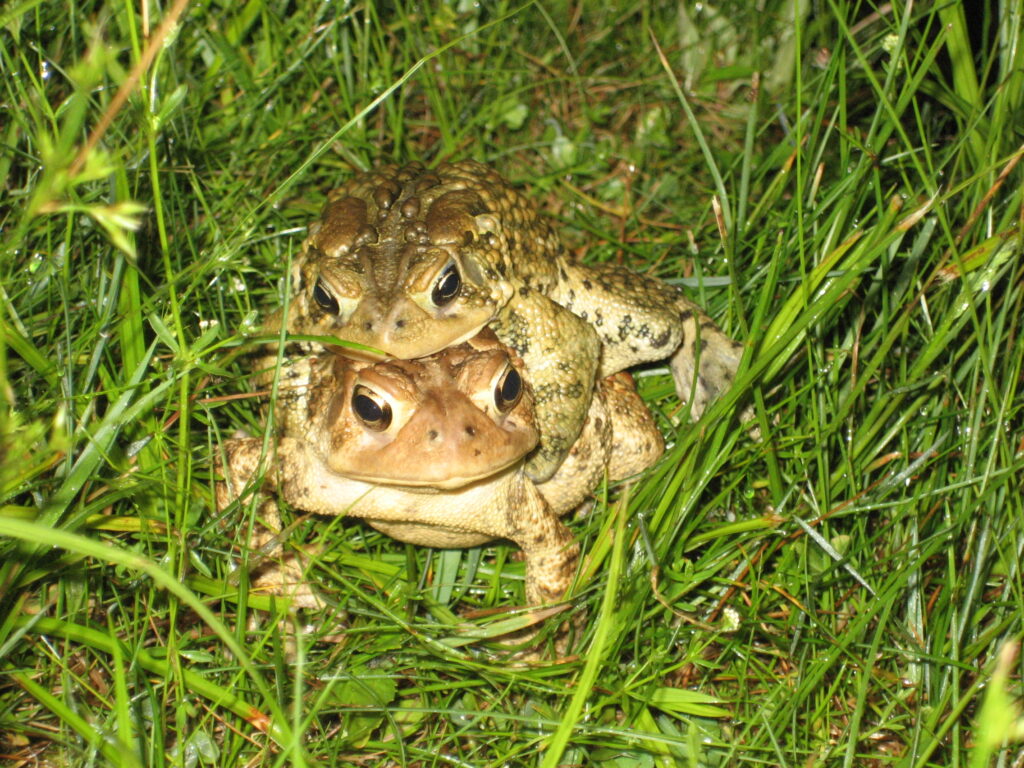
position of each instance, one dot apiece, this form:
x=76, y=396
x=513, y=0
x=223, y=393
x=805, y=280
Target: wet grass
x=839, y=187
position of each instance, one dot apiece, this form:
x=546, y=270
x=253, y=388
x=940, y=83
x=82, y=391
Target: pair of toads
x=499, y=404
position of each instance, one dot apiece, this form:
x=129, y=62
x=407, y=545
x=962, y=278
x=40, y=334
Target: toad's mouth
x=388, y=346
x=439, y=482
x=355, y=350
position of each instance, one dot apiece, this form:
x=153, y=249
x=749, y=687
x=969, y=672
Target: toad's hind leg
x=619, y=439
x=636, y=441
x=705, y=363
x=641, y=319
x=281, y=571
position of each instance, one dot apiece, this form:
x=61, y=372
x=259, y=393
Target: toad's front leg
x=282, y=572
x=561, y=353
x=549, y=548
x=641, y=319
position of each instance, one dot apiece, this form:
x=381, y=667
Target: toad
x=432, y=452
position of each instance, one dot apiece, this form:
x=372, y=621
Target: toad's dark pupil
x=508, y=391
x=323, y=298
x=447, y=286
x=375, y=414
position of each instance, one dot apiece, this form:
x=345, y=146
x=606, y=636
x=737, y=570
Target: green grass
x=838, y=185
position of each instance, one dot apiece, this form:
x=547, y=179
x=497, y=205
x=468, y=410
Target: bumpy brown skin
x=443, y=401
x=376, y=270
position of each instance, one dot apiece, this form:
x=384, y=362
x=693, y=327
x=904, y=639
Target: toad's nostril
x=432, y=434
x=471, y=431
x=399, y=323
x=368, y=325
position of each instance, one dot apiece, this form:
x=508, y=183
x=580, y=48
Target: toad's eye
x=508, y=390
x=323, y=298
x=447, y=286
x=371, y=408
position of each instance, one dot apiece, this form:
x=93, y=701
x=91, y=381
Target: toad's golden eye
x=324, y=299
x=447, y=286
x=372, y=409
x=508, y=390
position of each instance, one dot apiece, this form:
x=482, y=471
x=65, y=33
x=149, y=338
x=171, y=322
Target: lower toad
x=432, y=452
